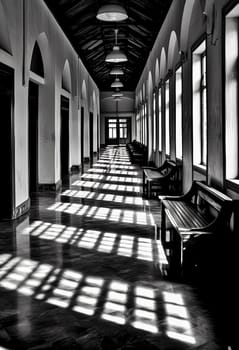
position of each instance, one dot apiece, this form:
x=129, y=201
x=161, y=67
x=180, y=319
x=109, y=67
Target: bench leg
x=143, y=183
x=163, y=225
x=149, y=189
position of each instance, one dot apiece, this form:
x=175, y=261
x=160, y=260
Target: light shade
x=116, y=56
x=116, y=71
x=112, y=13
x=117, y=83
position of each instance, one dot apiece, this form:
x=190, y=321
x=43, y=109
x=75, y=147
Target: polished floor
x=84, y=271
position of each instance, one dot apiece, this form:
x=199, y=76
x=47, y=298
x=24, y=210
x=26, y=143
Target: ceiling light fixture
x=116, y=55
x=116, y=71
x=117, y=83
x=112, y=13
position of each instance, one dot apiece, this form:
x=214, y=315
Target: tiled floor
x=83, y=271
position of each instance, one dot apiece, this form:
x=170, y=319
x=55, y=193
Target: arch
x=163, y=64
x=156, y=72
x=150, y=84
x=173, y=50
x=5, y=43
x=141, y=96
x=143, y=92
x=41, y=51
x=94, y=102
x=66, y=83
x=186, y=21
x=84, y=92
x=37, y=66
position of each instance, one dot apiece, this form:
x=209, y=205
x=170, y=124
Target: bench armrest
x=150, y=168
x=184, y=197
x=196, y=232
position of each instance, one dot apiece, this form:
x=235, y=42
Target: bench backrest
x=209, y=199
x=168, y=168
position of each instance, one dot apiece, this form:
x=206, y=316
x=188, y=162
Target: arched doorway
x=64, y=137
x=84, y=127
x=7, y=174
x=66, y=85
x=7, y=141
x=37, y=69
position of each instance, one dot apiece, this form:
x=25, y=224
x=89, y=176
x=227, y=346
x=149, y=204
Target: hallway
x=84, y=271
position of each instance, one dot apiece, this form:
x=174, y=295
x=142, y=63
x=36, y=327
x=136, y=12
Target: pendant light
x=112, y=13
x=116, y=55
x=117, y=83
x=116, y=71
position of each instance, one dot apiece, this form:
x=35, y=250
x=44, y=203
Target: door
x=124, y=130
x=118, y=131
x=33, y=136
x=111, y=131
x=64, y=143
x=7, y=142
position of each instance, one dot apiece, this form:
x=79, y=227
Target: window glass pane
x=178, y=95
x=160, y=120
x=231, y=93
x=112, y=133
x=154, y=122
x=145, y=124
x=200, y=106
x=204, y=127
x=167, y=129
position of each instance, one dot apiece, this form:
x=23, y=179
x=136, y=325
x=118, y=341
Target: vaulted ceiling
x=94, y=39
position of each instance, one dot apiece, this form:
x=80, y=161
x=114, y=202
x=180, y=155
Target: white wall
x=55, y=48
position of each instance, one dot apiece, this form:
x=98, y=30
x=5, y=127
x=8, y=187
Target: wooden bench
x=203, y=210
x=159, y=179
x=138, y=152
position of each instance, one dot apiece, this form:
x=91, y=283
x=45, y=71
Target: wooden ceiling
x=94, y=39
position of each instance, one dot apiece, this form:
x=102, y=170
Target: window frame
x=199, y=166
x=154, y=121
x=179, y=67
x=167, y=117
x=160, y=143
x=230, y=182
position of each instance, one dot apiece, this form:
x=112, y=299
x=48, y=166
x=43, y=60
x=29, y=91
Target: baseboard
x=50, y=187
x=21, y=209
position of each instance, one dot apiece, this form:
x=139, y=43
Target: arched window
x=167, y=122
x=200, y=106
x=178, y=104
x=160, y=119
x=154, y=122
x=37, y=63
